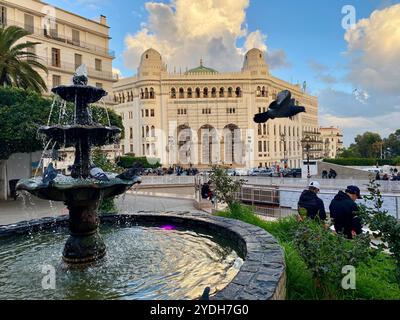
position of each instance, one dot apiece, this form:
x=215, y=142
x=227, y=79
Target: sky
x=348, y=56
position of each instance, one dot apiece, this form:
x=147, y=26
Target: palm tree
x=17, y=63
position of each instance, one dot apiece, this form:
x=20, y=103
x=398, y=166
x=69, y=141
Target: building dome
x=151, y=64
x=201, y=70
x=254, y=60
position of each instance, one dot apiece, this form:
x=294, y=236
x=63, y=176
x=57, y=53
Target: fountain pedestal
x=85, y=243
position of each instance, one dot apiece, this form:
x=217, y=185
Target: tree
x=23, y=112
x=367, y=145
x=226, y=188
x=17, y=63
x=392, y=144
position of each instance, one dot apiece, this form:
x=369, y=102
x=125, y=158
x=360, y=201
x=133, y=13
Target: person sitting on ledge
x=309, y=204
x=343, y=210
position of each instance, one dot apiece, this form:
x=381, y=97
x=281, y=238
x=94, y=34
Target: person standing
x=343, y=210
x=310, y=202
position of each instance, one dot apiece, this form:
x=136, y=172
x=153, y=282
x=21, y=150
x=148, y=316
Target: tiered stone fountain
x=80, y=192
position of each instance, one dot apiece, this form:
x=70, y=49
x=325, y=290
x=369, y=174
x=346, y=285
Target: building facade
x=332, y=138
x=203, y=117
x=66, y=41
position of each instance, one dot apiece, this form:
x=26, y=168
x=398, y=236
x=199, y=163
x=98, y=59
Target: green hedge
x=360, y=162
x=128, y=161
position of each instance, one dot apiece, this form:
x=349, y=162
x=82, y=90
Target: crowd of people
x=343, y=209
x=393, y=175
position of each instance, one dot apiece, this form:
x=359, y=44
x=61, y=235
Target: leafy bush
x=226, y=188
x=379, y=221
x=326, y=253
x=127, y=162
x=360, y=161
x=375, y=276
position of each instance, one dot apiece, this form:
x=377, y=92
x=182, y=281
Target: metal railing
x=71, y=67
x=55, y=36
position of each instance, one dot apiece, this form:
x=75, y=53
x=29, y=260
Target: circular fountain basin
x=149, y=256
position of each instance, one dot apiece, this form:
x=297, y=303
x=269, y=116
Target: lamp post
x=283, y=139
x=306, y=145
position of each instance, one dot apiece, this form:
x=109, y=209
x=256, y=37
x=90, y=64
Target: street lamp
x=283, y=139
x=306, y=145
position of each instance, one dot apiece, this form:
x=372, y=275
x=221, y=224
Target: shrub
x=379, y=220
x=326, y=253
x=360, y=161
x=226, y=188
x=127, y=162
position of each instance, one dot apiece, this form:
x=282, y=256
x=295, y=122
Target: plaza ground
x=29, y=207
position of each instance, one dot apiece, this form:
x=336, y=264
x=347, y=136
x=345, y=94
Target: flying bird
x=132, y=173
x=98, y=174
x=282, y=107
x=49, y=174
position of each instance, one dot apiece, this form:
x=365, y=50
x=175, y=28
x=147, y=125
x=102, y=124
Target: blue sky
x=305, y=39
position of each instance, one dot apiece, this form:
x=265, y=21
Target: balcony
x=71, y=67
x=53, y=36
x=311, y=133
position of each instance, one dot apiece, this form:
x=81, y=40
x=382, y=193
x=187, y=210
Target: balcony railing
x=71, y=67
x=54, y=36
x=311, y=133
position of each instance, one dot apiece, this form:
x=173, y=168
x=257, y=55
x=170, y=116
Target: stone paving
x=29, y=207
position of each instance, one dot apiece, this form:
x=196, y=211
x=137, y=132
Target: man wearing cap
x=310, y=202
x=344, y=210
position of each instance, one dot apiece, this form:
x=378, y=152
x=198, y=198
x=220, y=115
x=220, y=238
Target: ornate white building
x=203, y=117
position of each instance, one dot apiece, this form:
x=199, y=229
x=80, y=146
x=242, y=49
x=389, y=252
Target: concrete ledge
x=261, y=277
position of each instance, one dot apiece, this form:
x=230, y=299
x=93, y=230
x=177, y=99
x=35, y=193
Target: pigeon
x=49, y=174
x=282, y=107
x=132, y=173
x=98, y=174
x=206, y=294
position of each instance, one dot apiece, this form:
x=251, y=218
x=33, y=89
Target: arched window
x=153, y=131
x=263, y=92
x=259, y=129
x=221, y=92
x=141, y=94
x=189, y=93
x=264, y=129
x=214, y=92
x=152, y=96
x=258, y=92
x=197, y=92
x=238, y=92
x=230, y=92
x=173, y=93
x=181, y=93
x=147, y=131
x=146, y=93
x=205, y=93
x=123, y=97
x=142, y=131
x=115, y=98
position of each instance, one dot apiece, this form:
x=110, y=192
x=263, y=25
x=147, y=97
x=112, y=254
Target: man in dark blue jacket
x=343, y=211
x=310, y=202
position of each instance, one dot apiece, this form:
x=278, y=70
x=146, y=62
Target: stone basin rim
x=261, y=277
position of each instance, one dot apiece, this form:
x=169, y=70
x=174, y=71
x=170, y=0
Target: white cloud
x=374, y=50
x=184, y=31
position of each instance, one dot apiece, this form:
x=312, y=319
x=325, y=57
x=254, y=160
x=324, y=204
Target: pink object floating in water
x=167, y=227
